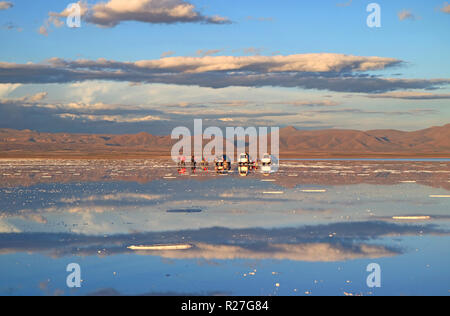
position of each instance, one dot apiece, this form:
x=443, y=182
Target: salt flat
x=149, y=224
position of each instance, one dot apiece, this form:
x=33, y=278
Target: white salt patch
x=314, y=191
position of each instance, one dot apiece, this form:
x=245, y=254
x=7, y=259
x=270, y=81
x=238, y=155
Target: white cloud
x=311, y=103
x=345, y=4
x=168, y=54
x=43, y=30
x=232, y=103
x=87, y=92
x=114, y=12
x=36, y=97
x=4, y=5
x=111, y=118
x=406, y=15
x=210, y=52
x=291, y=63
x=113, y=197
x=8, y=228
x=7, y=88
x=323, y=71
x=308, y=252
x=26, y=100
x=226, y=119
x=411, y=95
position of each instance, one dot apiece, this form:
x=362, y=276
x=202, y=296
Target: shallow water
x=310, y=229
x=373, y=159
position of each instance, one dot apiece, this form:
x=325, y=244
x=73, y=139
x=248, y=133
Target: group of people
x=182, y=166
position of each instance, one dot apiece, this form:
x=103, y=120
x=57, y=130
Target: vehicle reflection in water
x=226, y=235
x=244, y=170
x=267, y=169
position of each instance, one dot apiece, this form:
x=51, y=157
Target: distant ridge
x=427, y=141
x=430, y=142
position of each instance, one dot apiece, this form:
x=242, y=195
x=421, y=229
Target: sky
x=152, y=65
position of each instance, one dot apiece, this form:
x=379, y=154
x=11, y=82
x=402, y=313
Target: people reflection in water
x=182, y=165
x=204, y=164
x=181, y=161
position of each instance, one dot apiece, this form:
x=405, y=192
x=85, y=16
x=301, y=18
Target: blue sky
x=264, y=28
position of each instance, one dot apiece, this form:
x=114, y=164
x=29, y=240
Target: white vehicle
x=223, y=163
x=244, y=159
x=266, y=160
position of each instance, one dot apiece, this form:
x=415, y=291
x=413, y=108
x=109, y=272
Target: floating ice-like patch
x=314, y=191
x=411, y=218
x=160, y=247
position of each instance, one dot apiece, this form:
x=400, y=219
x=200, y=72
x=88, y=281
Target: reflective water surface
x=145, y=227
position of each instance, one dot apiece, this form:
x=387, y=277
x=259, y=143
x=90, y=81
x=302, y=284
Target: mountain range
x=430, y=142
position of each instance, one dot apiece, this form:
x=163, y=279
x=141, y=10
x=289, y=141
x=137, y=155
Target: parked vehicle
x=244, y=159
x=223, y=164
x=266, y=160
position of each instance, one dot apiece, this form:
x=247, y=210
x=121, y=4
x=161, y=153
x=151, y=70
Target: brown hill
x=431, y=142
x=427, y=141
